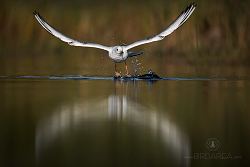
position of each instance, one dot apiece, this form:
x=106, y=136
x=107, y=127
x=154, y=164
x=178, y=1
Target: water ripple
x=134, y=78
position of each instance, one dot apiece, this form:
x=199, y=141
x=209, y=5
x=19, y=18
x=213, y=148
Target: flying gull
x=120, y=53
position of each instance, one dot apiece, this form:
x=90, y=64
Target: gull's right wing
x=64, y=38
x=176, y=24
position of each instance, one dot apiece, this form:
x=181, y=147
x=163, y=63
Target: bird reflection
x=117, y=107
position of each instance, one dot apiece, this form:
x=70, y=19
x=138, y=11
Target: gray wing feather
x=64, y=38
x=172, y=27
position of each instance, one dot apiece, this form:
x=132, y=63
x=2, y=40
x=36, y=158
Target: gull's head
x=118, y=49
x=118, y=53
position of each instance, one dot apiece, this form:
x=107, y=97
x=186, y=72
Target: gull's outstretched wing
x=176, y=24
x=64, y=38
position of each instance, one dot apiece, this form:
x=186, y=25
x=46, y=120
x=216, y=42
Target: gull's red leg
x=126, y=67
x=117, y=74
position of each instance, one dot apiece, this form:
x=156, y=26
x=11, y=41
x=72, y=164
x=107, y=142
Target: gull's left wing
x=176, y=24
x=64, y=38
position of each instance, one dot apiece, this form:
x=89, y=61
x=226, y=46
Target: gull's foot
x=127, y=75
x=117, y=74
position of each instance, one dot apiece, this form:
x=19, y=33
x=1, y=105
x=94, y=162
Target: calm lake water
x=113, y=123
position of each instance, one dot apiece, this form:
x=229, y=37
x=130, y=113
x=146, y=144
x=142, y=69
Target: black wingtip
x=35, y=12
x=194, y=4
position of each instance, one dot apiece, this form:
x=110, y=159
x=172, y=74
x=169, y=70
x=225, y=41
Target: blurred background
x=213, y=42
x=111, y=123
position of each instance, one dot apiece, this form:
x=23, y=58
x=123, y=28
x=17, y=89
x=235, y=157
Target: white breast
x=118, y=57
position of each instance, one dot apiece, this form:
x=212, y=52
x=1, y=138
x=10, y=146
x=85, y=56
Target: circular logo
x=212, y=144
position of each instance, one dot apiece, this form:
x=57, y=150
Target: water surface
x=114, y=123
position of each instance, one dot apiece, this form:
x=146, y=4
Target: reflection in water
x=121, y=109
x=115, y=108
